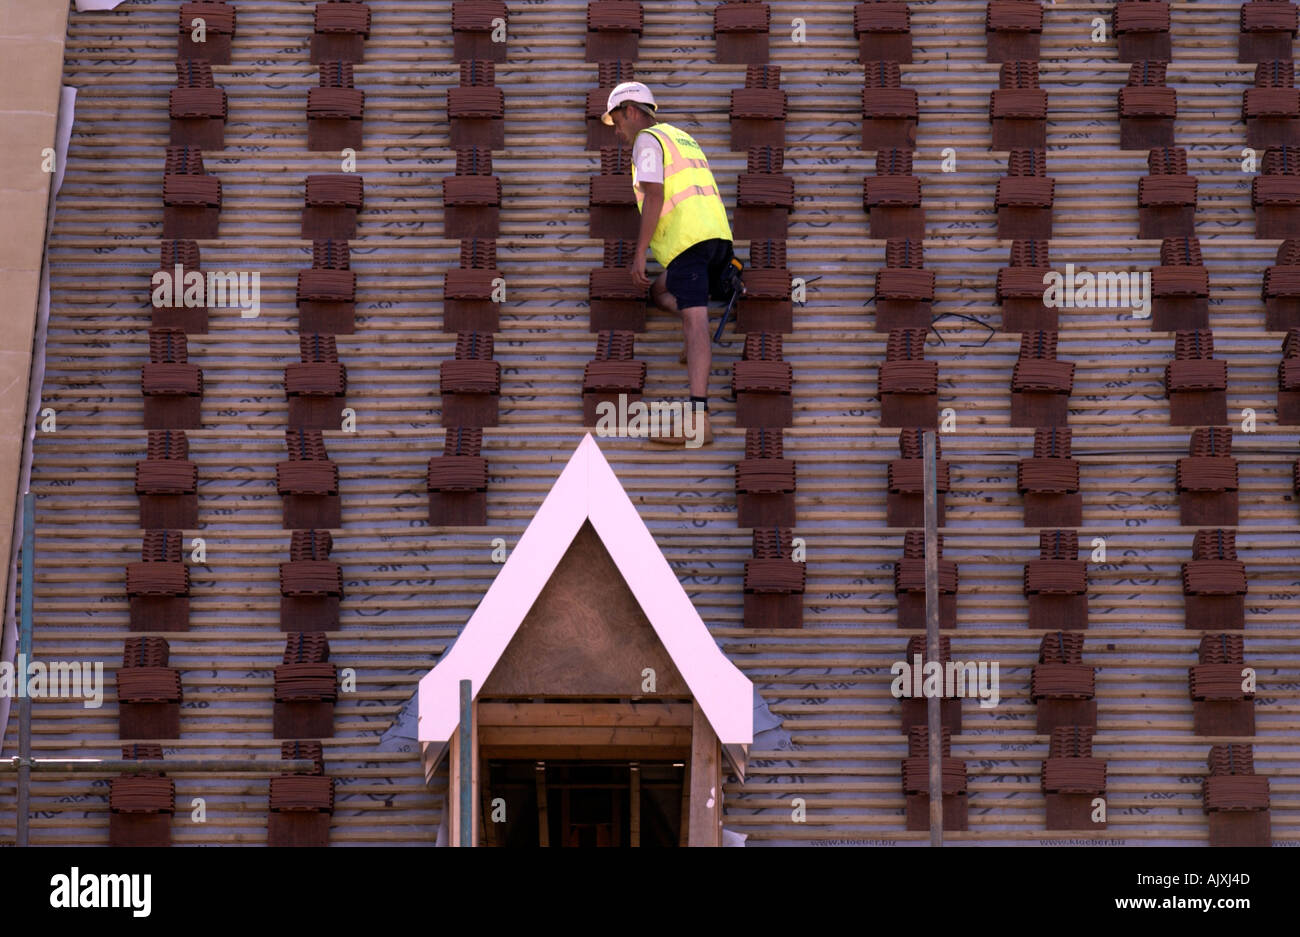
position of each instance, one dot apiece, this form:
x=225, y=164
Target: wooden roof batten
x=588, y=492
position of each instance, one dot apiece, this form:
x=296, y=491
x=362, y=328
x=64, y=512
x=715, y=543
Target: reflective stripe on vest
x=693, y=209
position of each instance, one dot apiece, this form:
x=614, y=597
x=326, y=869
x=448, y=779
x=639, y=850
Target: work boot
x=706, y=431
x=703, y=431
x=675, y=438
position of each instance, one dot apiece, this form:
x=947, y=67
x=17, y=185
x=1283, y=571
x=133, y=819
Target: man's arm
x=650, y=209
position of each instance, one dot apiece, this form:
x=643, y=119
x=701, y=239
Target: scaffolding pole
x=25, y=653
x=466, y=740
x=932, y=637
x=264, y=766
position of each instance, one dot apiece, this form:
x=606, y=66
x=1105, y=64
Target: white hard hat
x=628, y=91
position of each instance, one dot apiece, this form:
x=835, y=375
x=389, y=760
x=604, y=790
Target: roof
x=412, y=587
x=588, y=490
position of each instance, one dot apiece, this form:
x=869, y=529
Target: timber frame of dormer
x=586, y=646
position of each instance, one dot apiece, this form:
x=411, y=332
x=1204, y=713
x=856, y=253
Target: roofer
x=684, y=223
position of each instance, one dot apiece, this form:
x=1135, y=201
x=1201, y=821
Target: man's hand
x=638, y=272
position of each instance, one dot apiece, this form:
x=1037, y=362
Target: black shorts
x=696, y=273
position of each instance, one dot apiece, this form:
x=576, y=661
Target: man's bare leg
x=662, y=298
x=668, y=303
x=699, y=350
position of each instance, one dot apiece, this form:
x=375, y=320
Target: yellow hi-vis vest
x=693, y=209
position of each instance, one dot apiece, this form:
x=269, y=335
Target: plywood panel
x=584, y=714
x=585, y=636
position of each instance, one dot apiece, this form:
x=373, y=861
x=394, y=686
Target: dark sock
x=703, y=401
